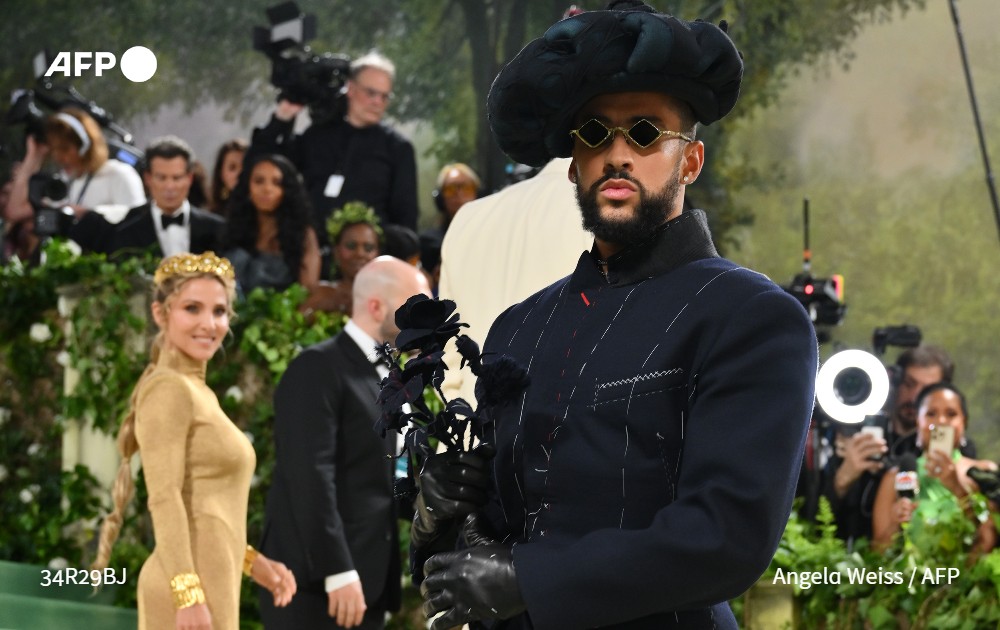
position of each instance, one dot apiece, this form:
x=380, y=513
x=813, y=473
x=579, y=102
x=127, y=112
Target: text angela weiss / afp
x=917, y=575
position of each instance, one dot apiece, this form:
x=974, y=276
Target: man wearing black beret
x=646, y=474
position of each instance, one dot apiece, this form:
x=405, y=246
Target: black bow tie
x=166, y=220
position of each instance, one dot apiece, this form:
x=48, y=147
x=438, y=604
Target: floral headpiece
x=426, y=325
x=207, y=262
x=352, y=213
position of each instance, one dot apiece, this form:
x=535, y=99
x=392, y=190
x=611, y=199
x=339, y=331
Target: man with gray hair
x=355, y=157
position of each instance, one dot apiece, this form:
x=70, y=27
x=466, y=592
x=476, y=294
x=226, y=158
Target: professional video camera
x=25, y=110
x=47, y=192
x=303, y=77
x=823, y=298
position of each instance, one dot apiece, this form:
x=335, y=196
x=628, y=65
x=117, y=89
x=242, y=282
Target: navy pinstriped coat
x=649, y=467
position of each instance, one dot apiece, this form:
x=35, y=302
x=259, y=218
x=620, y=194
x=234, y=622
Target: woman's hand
x=195, y=617
x=330, y=297
x=275, y=577
x=940, y=466
x=18, y=207
x=34, y=154
x=902, y=511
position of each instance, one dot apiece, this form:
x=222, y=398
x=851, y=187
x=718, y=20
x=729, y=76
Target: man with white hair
x=351, y=158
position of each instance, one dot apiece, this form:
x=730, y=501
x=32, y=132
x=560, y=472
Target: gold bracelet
x=248, y=559
x=186, y=588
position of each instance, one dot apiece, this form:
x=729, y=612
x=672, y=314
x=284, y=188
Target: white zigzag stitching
x=640, y=377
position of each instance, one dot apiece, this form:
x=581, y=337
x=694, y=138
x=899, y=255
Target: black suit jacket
x=136, y=233
x=647, y=472
x=330, y=507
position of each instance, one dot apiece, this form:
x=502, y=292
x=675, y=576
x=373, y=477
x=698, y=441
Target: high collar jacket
x=649, y=467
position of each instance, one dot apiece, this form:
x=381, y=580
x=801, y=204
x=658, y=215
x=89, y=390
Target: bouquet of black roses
x=426, y=325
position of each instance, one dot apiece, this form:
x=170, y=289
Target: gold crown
x=207, y=262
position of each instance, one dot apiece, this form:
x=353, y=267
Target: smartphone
x=876, y=431
x=942, y=439
x=879, y=435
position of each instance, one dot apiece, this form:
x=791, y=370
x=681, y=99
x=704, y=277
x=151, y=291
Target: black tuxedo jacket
x=330, y=506
x=136, y=233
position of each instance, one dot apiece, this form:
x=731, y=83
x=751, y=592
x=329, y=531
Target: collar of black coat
x=677, y=242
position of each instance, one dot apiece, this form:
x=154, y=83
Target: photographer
x=100, y=189
x=860, y=460
x=356, y=158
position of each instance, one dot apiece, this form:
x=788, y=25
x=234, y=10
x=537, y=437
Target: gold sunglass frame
x=626, y=133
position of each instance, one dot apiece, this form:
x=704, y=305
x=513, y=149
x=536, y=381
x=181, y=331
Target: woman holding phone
x=942, y=472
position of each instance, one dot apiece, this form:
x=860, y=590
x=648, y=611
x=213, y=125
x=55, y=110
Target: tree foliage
x=447, y=53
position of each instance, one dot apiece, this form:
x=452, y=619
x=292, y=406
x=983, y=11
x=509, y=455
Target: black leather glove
x=471, y=585
x=451, y=485
x=476, y=532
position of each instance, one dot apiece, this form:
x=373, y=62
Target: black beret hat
x=532, y=101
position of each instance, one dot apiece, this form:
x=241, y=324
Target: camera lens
x=852, y=386
x=55, y=189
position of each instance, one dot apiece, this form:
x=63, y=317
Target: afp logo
x=138, y=64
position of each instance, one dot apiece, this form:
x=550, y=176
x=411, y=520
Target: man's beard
x=907, y=417
x=650, y=213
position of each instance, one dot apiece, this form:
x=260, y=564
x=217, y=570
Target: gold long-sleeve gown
x=198, y=467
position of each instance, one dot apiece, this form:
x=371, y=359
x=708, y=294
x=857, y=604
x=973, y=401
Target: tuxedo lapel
x=142, y=230
x=364, y=370
x=136, y=231
x=361, y=369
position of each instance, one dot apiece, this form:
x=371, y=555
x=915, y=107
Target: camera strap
x=83, y=191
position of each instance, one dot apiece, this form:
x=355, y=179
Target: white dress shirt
x=175, y=239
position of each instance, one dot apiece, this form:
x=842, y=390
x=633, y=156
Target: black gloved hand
x=471, y=585
x=476, y=532
x=451, y=485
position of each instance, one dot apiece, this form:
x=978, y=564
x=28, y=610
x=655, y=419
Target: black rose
x=395, y=393
x=469, y=350
x=426, y=324
x=500, y=381
x=471, y=421
x=428, y=367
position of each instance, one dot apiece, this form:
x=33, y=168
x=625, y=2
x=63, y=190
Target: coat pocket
x=612, y=391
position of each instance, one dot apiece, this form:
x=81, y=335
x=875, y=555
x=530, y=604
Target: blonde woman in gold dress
x=197, y=464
